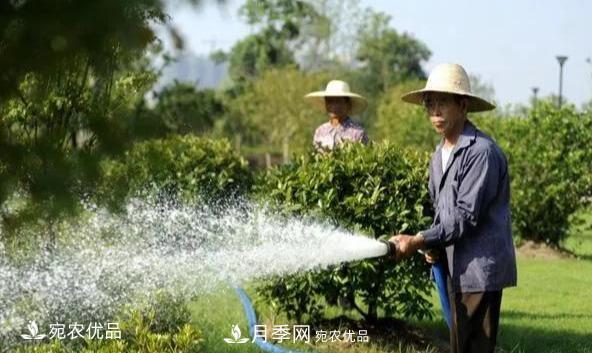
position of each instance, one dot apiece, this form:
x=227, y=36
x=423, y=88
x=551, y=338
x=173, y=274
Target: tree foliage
x=404, y=124
x=48, y=37
x=71, y=92
x=550, y=156
x=275, y=105
x=388, y=56
x=280, y=24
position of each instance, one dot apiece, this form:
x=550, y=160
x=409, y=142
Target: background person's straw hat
x=450, y=78
x=336, y=88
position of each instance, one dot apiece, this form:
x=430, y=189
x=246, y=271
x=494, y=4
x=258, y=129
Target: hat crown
x=449, y=77
x=337, y=86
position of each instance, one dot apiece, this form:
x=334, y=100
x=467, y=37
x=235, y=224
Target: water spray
x=106, y=261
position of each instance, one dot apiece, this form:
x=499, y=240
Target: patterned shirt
x=327, y=136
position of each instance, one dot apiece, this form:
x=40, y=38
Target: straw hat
x=336, y=88
x=450, y=78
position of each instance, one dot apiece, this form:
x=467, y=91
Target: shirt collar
x=466, y=138
x=346, y=122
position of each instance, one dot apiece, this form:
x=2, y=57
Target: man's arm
x=478, y=186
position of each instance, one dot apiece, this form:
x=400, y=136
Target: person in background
x=469, y=185
x=339, y=103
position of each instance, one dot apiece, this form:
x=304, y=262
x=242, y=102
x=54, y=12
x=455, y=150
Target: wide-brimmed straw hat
x=337, y=88
x=450, y=78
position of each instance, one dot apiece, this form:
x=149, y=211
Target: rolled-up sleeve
x=477, y=186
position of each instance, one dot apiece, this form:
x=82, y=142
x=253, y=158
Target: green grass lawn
x=214, y=315
x=550, y=310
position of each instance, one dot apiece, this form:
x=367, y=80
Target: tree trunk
x=237, y=143
x=267, y=160
x=286, y=150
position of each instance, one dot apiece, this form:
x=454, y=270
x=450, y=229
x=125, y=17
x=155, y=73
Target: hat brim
x=475, y=103
x=317, y=99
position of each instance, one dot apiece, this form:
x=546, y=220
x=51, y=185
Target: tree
x=77, y=74
x=251, y=56
x=276, y=107
x=587, y=106
x=549, y=155
x=481, y=89
x=387, y=56
x=286, y=17
x=331, y=38
x=48, y=37
x=184, y=109
x=54, y=134
x=280, y=23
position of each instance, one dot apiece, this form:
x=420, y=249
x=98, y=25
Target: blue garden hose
x=439, y=273
x=252, y=318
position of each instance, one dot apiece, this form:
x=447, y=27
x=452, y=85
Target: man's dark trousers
x=475, y=320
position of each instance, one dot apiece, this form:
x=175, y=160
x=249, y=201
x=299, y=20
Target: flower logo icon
x=236, y=334
x=34, y=332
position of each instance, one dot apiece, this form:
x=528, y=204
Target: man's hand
x=407, y=245
x=431, y=257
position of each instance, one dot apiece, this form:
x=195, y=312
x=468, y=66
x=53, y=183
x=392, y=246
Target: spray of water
x=104, y=260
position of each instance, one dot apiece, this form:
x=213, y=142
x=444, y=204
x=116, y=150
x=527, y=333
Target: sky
x=511, y=45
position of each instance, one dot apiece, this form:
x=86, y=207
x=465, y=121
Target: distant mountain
x=199, y=70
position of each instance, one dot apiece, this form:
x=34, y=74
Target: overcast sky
x=512, y=45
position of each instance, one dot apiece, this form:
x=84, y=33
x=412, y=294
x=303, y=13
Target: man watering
x=469, y=185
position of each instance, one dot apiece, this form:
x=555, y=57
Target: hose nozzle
x=391, y=248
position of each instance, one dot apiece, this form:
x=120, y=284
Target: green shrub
x=185, y=167
x=136, y=337
x=378, y=190
x=162, y=327
x=550, y=157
